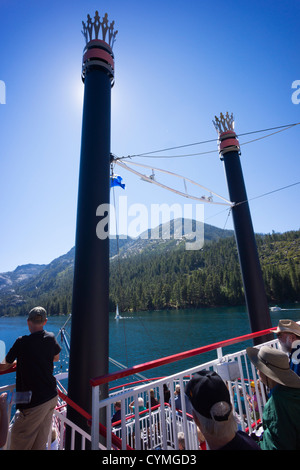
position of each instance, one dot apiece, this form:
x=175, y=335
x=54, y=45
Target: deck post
x=255, y=296
x=90, y=303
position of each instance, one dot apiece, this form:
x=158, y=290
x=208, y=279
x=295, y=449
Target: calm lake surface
x=140, y=337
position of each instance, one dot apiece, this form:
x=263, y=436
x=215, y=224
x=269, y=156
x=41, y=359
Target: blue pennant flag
x=116, y=181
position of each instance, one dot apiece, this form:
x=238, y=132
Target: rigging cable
x=266, y=194
x=119, y=266
x=63, y=333
x=150, y=154
x=277, y=129
x=228, y=215
x=251, y=199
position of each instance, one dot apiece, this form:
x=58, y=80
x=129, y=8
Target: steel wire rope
x=253, y=198
x=266, y=194
x=117, y=159
x=119, y=269
x=62, y=332
x=150, y=154
x=281, y=129
x=269, y=135
x=207, y=152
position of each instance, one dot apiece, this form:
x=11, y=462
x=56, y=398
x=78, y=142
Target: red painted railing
x=175, y=358
x=13, y=368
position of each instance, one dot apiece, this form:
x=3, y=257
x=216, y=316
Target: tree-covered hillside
x=209, y=277
x=165, y=275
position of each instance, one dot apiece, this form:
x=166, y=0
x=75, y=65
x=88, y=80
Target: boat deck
x=158, y=427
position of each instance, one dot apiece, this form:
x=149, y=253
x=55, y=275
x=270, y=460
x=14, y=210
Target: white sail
x=117, y=313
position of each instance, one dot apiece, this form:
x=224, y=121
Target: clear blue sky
x=177, y=65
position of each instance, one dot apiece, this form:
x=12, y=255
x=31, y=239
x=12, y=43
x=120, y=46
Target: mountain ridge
x=26, y=281
x=160, y=273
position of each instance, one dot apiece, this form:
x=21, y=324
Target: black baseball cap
x=37, y=315
x=206, y=389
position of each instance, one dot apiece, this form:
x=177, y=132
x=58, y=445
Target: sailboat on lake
x=117, y=317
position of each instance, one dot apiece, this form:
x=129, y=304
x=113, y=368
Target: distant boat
x=275, y=309
x=117, y=313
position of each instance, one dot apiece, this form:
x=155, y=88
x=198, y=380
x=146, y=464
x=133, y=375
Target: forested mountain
x=162, y=274
x=209, y=277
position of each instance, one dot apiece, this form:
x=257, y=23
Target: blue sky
x=178, y=64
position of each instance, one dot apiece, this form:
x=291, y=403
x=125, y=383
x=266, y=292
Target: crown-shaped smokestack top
x=224, y=124
x=228, y=141
x=99, y=29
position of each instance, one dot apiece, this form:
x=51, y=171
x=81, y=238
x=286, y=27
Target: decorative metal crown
x=96, y=26
x=225, y=123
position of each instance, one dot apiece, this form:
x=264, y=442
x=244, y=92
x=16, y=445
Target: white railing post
x=123, y=424
x=219, y=353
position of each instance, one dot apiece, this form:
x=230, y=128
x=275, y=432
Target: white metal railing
x=60, y=425
x=160, y=429
x=149, y=429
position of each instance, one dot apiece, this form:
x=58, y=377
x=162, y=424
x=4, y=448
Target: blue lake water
x=144, y=336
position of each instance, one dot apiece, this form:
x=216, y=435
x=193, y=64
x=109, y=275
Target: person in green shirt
x=281, y=415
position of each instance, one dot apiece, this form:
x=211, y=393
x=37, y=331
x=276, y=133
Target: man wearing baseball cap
x=34, y=355
x=213, y=413
x=288, y=334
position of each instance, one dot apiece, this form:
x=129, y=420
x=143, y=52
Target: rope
x=269, y=135
x=119, y=268
x=147, y=154
x=229, y=212
x=266, y=194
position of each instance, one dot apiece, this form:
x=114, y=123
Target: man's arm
x=56, y=358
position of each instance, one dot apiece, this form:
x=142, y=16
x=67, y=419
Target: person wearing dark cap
x=213, y=413
x=34, y=355
x=288, y=334
x=281, y=415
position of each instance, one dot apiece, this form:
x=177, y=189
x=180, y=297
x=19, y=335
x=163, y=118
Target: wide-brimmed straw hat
x=288, y=326
x=274, y=364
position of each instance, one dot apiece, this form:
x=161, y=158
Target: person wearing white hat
x=288, y=334
x=281, y=415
